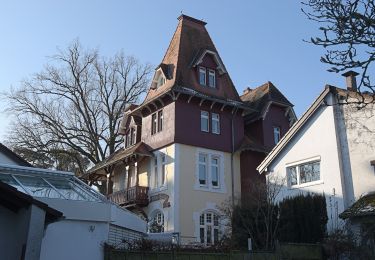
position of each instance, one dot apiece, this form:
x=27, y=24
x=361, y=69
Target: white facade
x=337, y=139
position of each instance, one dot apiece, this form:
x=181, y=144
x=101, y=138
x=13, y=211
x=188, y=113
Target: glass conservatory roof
x=38, y=182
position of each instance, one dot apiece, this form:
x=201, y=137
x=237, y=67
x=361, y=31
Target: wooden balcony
x=131, y=197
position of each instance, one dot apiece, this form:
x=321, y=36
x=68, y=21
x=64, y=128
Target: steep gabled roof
x=259, y=98
x=321, y=99
x=189, y=41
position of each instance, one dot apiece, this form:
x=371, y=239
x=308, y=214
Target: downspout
x=232, y=154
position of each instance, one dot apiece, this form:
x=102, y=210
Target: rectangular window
x=211, y=78
x=160, y=120
x=127, y=143
x=303, y=173
x=215, y=172
x=201, y=233
x=156, y=173
x=202, y=76
x=209, y=232
x=215, y=123
x=309, y=172
x=204, y=121
x=133, y=179
x=163, y=171
x=216, y=235
x=153, y=123
x=133, y=136
x=276, y=134
x=202, y=169
x=292, y=175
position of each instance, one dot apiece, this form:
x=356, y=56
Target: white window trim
x=153, y=215
x=207, y=116
x=212, y=124
x=201, y=69
x=296, y=164
x=207, y=170
x=278, y=132
x=211, y=72
x=157, y=187
x=209, y=188
x=210, y=207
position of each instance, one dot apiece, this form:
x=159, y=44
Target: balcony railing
x=137, y=195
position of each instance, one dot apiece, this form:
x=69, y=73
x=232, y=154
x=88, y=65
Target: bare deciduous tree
x=348, y=28
x=74, y=105
x=256, y=215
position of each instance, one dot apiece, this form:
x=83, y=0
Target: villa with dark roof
x=194, y=142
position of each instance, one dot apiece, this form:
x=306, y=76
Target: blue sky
x=258, y=40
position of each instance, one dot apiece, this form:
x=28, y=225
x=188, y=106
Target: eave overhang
x=123, y=155
x=294, y=130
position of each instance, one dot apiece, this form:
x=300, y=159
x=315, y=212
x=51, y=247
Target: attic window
x=202, y=76
x=159, y=79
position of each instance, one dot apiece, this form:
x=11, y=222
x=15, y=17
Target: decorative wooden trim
x=161, y=196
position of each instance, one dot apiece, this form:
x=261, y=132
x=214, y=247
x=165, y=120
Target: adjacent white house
x=329, y=150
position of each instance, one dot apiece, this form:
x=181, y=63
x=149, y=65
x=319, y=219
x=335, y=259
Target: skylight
x=47, y=183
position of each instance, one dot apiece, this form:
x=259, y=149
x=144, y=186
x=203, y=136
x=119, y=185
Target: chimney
x=246, y=90
x=351, y=82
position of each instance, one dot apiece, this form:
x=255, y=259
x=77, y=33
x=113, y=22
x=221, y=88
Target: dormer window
x=159, y=79
x=211, y=78
x=202, y=76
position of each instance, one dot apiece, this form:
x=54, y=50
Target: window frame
x=163, y=175
x=154, y=123
x=211, y=168
x=209, y=227
x=212, y=73
x=202, y=72
x=205, y=164
x=205, y=115
x=157, y=122
x=156, y=215
x=155, y=181
x=217, y=165
x=217, y=121
x=297, y=171
x=276, y=134
x=160, y=117
x=133, y=136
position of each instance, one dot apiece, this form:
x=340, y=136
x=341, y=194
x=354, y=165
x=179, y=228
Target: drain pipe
x=232, y=154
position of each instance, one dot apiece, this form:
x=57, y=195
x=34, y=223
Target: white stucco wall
x=13, y=232
x=84, y=229
x=316, y=140
x=360, y=136
x=75, y=240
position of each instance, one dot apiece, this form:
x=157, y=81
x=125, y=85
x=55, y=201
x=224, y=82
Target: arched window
x=209, y=228
x=156, y=222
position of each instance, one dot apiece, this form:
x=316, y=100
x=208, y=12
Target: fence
x=284, y=252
